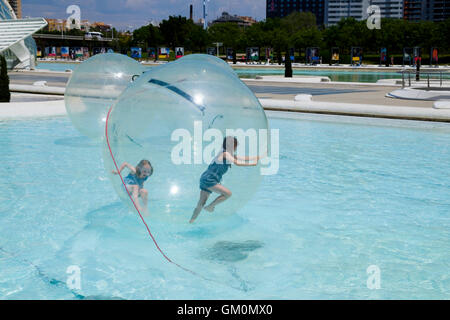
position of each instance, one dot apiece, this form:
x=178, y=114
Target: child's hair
x=141, y=164
x=227, y=141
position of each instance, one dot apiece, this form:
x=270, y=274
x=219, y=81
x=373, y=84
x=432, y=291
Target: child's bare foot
x=209, y=208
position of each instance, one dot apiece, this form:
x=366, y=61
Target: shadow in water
x=228, y=251
x=77, y=142
x=55, y=282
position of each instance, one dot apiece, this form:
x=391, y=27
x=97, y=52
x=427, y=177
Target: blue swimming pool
x=249, y=72
x=350, y=193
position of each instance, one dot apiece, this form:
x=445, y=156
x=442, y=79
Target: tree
x=5, y=95
x=297, y=21
x=176, y=31
x=308, y=37
x=124, y=41
x=198, y=38
x=279, y=41
x=227, y=33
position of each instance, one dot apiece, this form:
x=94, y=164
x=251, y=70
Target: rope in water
x=136, y=207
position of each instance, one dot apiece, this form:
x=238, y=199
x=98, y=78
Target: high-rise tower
x=16, y=5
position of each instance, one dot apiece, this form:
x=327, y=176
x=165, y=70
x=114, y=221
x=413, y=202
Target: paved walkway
x=333, y=92
x=54, y=79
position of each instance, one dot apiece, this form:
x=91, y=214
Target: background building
x=16, y=42
x=60, y=25
x=240, y=21
x=282, y=8
x=434, y=10
x=329, y=12
x=389, y=8
x=16, y=5
x=338, y=9
x=440, y=10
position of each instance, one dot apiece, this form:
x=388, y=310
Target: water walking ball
x=176, y=116
x=94, y=86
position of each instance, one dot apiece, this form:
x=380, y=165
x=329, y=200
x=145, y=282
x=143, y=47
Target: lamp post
x=218, y=44
x=205, y=24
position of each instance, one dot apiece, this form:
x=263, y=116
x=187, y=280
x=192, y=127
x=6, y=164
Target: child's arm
x=255, y=158
x=245, y=158
x=125, y=164
x=236, y=161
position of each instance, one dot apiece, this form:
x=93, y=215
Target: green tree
x=297, y=21
x=227, y=33
x=147, y=36
x=124, y=41
x=308, y=37
x=176, y=31
x=280, y=41
x=198, y=38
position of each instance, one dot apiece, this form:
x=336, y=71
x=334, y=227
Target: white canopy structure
x=16, y=42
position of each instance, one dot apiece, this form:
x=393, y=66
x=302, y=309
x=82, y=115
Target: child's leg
x=224, y=195
x=144, y=196
x=201, y=202
x=134, y=192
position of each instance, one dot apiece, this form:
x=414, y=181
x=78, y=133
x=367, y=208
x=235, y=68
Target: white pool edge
x=360, y=110
x=43, y=109
x=25, y=110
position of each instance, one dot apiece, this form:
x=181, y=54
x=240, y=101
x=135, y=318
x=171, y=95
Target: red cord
x=135, y=206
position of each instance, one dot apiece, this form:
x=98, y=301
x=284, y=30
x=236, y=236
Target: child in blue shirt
x=134, y=182
x=211, y=178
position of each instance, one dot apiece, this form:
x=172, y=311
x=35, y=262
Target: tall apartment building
x=330, y=12
x=389, y=8
x=434, y=10
x=440, y=10
x=338, y=9
x=282, y=8
x=16, y=5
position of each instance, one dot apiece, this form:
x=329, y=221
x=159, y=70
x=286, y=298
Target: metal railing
x=408, y=74
x=69, y=37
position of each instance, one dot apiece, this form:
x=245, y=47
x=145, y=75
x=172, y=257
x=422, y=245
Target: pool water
x=350, y=193
x=338, y=75
x=334, y=75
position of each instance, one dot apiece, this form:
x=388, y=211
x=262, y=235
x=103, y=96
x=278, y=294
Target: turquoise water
x=350, y=193
x=338, y=75
x=346, y=76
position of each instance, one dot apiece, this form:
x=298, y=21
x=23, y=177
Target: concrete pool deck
x=49, y=108
x=275, y=93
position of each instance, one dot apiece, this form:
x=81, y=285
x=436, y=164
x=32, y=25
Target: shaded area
x=20, y=97
x=300, y=90
x=77, y=142
x=228, y=251
x=52, y=282
x=59, y=80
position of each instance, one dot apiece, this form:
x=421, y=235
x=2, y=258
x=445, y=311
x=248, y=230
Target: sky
x=131, y=14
